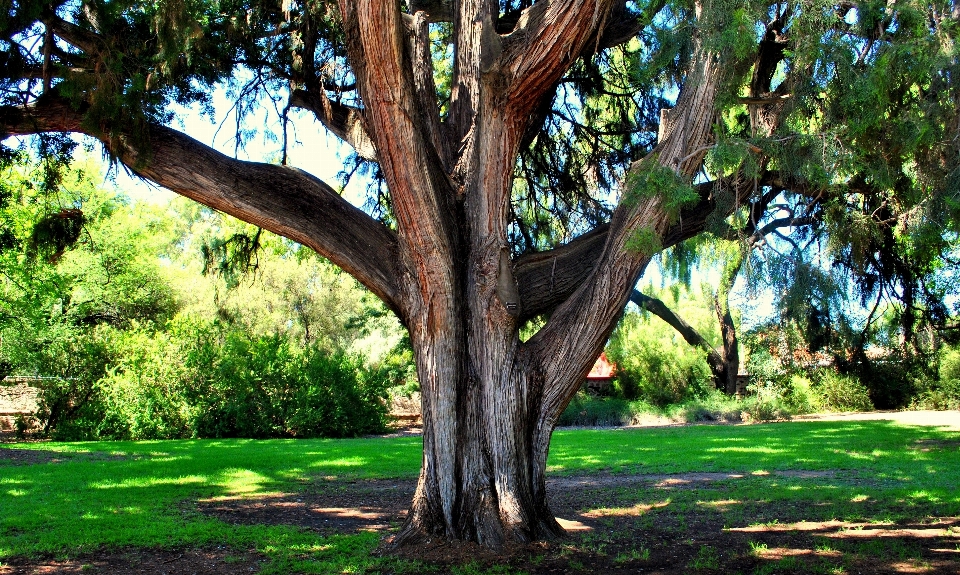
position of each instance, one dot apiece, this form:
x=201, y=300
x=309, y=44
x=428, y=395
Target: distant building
x=601, y=376
x=18, y=398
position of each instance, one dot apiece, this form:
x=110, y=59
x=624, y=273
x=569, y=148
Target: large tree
x=500, y=132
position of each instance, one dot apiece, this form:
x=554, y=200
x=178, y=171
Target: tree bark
x=490, y=402
x=728, y=331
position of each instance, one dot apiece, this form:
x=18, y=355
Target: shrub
x=842, y=393
x=712, y=406
x=766, y=370
x=70, y=405
x=765, y=403
x=653, y=367
x=338, y=398
x=799, y=395
x=143, y=391
x=891, y=382
x=243, y=391
x=201, y=380
x=587, y=410
x=943, y=393
x=950, y=365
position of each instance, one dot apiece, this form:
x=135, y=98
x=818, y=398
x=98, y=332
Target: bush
x=587, y=410
x=891, y=382
x=70, y=404
x=200, y=380
x=713, y=406
x=943, y=393
x=950, y=365
x=241, y=389
x=765, y=403
x=799, y=395
x=653, y=367
x=842, y=393
x=339, y=398
x=143, y=392
x=262, y=388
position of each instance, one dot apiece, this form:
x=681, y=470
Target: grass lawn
x=641, y=493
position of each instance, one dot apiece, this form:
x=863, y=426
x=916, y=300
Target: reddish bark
x=490, y=402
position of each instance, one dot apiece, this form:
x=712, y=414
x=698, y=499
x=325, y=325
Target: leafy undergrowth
x=821, y=497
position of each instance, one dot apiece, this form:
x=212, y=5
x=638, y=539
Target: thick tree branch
x=436, y=10
x=284, y=200
x=566, y=347
x=548, y=38
x=623, y=24
x=394, y=118
x=422, y=63
x=778, y=224
x=546, y=279
x=74, y=35
x=346, y=122
x=476, y=47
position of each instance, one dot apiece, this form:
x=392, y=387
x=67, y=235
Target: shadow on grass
x=647, y=498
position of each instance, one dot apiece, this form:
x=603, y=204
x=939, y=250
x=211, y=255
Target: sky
x=312, y=149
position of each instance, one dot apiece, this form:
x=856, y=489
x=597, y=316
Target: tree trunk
x=490, y=402
x=481, y=481
x=728, y=331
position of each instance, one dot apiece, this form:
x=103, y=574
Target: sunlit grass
x=133, y=494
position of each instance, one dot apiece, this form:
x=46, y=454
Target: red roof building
x=601, y=375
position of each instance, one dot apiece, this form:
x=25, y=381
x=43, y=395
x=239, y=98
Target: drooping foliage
x=865, y=96
x=496, y=132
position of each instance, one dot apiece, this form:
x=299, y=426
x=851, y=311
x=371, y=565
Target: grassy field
x=78, y=501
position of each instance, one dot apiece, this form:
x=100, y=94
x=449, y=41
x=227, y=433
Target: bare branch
x=778, y=224
x=69, y=32
x=688, y=332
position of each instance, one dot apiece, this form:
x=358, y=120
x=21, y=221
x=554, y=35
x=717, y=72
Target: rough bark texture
x=490, y=402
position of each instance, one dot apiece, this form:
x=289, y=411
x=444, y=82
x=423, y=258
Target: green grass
x=122, y=495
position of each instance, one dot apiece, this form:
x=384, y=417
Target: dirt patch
x=379, y=505
x=29, y=456
x=330, y=507
x=937, y=444
x=16, y=457
x=610, y=532
x=616, y=525
x=144, y=562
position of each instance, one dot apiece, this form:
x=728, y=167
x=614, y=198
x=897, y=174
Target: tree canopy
x=529, y=158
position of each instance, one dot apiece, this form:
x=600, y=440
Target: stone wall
x=18, y=396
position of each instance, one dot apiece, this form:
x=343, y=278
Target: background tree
x=542, y=107
x=110, y=306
